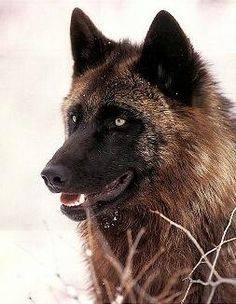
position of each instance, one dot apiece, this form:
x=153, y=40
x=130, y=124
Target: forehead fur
x=115, y=81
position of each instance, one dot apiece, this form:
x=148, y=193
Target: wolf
x=148, y=167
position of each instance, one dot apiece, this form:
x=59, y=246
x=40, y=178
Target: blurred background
x=41, y=257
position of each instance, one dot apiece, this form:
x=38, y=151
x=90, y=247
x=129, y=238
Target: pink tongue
x=67, y=198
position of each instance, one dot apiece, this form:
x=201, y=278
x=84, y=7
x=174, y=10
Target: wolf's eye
x=74, y=118
x=120, y=122
x=73, y=121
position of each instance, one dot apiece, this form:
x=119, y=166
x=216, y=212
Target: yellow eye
x=74, y=118
x=120, y=122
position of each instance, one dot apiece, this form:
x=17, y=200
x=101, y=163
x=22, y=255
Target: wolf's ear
x=167, y=58
x=89, y=46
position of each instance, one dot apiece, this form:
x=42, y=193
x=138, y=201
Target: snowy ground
x=42, y=267
x=36, y=241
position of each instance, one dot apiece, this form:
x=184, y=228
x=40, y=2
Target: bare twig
x=125, y=273
x=220, y=244
x=215, y=283
x=128, y=284
x=211, y=295
x=31, y=299
x=166, y=291
x=199, y=263
x=127, y=279
x=208, y=252
x=148, y=265
x=93, y=272
x=212, y=266
x=108, y=290
x=132, y=249
x=217, y=256
x=191, y=237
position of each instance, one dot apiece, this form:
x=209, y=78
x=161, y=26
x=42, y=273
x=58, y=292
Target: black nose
x=55, y=177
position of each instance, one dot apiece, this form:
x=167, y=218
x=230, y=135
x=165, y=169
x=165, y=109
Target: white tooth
x=72, y=204
x=81, y=199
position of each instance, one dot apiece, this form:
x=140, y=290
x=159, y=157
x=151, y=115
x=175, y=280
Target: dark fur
x=180, y=140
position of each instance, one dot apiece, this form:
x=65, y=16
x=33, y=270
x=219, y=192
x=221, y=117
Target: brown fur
x=193, y=185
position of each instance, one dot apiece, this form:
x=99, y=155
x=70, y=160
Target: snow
x=47, y=266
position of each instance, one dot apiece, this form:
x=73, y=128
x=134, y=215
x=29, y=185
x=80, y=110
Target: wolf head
x=132, y=114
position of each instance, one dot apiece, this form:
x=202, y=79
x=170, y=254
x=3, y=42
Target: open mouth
x=75, y=205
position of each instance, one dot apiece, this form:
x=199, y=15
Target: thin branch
x=215, y=283
x=199, y=263
x=211, y=295
x=31, y=299
x=147, y=266
x=220, y=244
x=208, y=252
x=132, y=250
x=191, y=237
x=108, y=290
x=94, y=277
x=217, y=248
x=125, y=273
x=166, y=291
